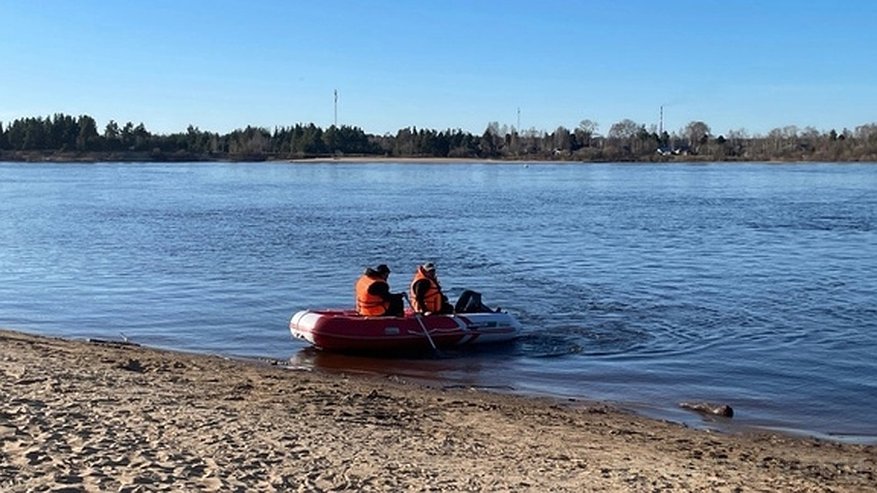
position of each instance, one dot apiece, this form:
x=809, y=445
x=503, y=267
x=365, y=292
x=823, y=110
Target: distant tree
x=624, y=130
x=36, y=134
x=442, y=144
x=866, y=132
x=141, y=138
x=737, y=141
x=251, y=142
x=487, y=147
x=307, y=140
x=14, y=135
x=61, y=132
x=462, y=144
x=513, y=144
x=191, y=141
x=664, y=140
x=403, y=142
x=774, y=141
x=112, y=136
x=588, y=127
x=626, y=140
x=646, y=143
x=586, y=131
x=331, y=140
x=127, y=135
x=88, y=139
x=426, y=143
x=865, y=147
x=562, y=140
x=352, y=140
x=623, y=139
x=697, y=133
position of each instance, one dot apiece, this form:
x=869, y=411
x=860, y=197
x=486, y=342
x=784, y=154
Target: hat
x=429, y=266
x=382, y=269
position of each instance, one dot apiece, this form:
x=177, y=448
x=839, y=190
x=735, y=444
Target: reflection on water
x=751, y=285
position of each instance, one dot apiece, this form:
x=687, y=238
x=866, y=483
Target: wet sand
x=86, y=416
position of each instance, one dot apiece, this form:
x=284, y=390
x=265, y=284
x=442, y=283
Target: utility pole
x=336, y=108
x=519, y=120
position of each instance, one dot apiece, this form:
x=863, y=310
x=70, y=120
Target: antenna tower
x=661, y=122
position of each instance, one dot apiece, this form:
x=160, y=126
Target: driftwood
x=714, y=409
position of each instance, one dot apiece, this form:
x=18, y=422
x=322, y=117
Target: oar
x=421, y=324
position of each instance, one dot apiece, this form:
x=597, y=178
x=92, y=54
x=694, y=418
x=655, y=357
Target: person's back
x=373, y=297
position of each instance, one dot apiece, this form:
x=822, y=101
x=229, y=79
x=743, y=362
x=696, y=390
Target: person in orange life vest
x=373, y=296
x=426, y=292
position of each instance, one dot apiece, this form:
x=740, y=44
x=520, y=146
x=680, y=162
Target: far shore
x=149, y=157
x=158, y=157
x=427, y=160
x=110, y=416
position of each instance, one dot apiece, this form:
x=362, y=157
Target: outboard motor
x=470, y=302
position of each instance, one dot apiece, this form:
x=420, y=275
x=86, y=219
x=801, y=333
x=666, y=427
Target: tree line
x=66, y=137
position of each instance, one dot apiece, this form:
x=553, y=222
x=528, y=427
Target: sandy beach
x=106, y=416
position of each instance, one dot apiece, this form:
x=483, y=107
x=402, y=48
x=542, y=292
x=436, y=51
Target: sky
x=220, y=65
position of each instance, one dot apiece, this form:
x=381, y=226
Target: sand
x=86, y=416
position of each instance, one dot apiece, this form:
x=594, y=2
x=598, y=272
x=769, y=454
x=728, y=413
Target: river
x=646, y=285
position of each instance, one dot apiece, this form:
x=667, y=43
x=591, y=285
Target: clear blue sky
x=220, y=65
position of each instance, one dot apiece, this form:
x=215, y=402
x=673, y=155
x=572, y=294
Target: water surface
x=648, y=285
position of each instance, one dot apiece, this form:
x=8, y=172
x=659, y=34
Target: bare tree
x=624, y=130
x=697, y=133
x=562, y=139
x=586, y=131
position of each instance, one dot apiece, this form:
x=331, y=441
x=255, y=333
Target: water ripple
x=744, y=283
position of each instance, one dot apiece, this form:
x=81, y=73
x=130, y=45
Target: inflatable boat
x=347, y=331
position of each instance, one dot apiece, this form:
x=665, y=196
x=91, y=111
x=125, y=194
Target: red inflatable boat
x=345, y=330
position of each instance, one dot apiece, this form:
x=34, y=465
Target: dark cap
x=382, y=269
x=429, y=267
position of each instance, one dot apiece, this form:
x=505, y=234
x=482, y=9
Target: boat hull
x=336, y=330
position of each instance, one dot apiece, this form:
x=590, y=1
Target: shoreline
x=107, y=416
x=133, y=157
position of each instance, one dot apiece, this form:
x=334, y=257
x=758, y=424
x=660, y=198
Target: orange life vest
x=432, y=299
x=368, y=304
